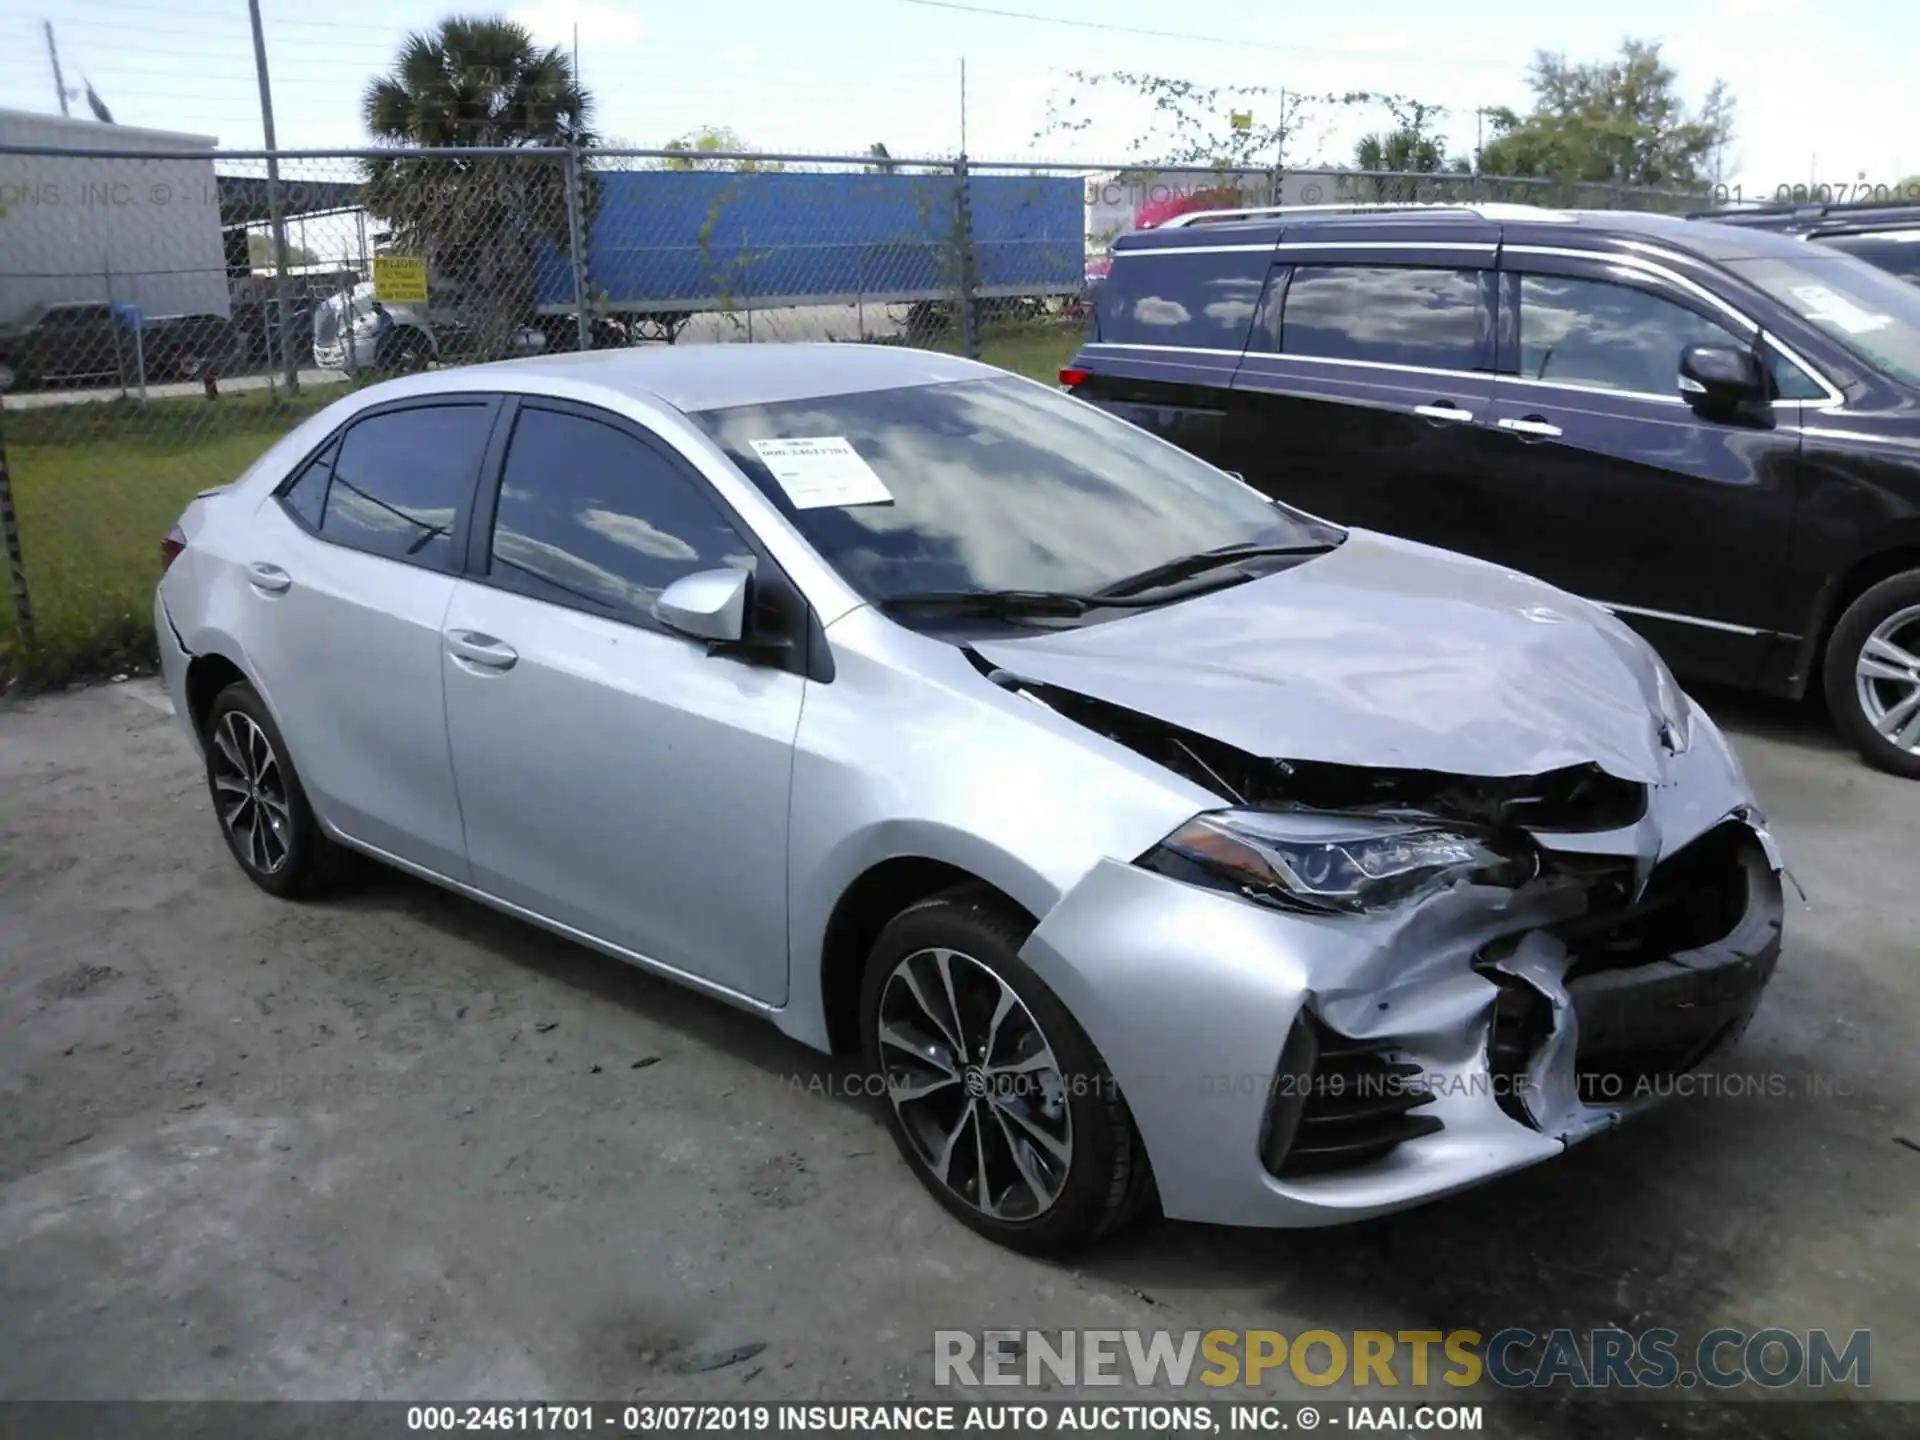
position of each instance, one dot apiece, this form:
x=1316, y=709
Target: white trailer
x=79, y=227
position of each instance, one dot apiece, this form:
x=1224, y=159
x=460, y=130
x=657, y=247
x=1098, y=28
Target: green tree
x=692, y=150
x=1620, y=121
x=260, y=252
x=478, y=220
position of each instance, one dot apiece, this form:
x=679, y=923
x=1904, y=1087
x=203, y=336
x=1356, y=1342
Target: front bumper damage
x=1293, y=1070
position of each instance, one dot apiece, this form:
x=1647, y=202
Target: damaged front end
x=1379, y=985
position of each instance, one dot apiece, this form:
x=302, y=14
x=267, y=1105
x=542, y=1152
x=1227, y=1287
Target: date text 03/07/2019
x=947, y=1419
x=1821, y=192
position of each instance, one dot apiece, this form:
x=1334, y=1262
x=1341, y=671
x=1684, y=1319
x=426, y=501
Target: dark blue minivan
x=1712, y=431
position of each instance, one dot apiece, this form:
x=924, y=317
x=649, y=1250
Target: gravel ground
x=397, y=1146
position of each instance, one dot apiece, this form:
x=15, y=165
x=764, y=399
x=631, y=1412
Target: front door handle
x=1537, y=425
x=268, y=579
x=1443, y=410
x=481, y=650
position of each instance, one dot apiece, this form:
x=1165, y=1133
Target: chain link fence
x=166, y=315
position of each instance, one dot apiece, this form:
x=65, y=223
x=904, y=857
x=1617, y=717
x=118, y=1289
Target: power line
x=1238, y=42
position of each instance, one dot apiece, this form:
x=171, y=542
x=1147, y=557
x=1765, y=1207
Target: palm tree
x=480, y=219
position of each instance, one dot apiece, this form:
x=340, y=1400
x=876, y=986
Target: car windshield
x=990, y=485
x=1863, y=308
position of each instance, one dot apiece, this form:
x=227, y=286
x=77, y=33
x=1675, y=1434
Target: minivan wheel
x=257, y=799
x=994, y=1095
x=1873, y=674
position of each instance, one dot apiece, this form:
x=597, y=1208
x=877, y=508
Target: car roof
x=711, y=377
x=1580, y=229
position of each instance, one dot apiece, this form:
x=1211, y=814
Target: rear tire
x=1014, y=1125
x=1873, y=675
x=259, y=803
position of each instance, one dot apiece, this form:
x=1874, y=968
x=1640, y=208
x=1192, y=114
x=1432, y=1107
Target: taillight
x=171, y=545
x=1073, y=375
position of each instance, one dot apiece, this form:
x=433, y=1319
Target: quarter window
x=1607, y=336
x=591, y=517
x=307, y=495
x=400, y=481
x=1389, y=315
x=1202, y=301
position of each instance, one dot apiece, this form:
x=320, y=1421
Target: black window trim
x=801, y=649
x=463, y=514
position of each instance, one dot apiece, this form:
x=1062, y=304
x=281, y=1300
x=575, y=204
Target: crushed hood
x=1382, y=653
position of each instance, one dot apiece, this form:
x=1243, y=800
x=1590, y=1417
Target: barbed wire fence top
x=155, y=339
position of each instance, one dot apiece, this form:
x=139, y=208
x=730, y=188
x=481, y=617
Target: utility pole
x=963, y=104
x=59, y=80
x=274, y=217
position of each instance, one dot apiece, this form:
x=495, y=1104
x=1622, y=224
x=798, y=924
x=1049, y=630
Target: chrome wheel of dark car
x=975, y=1084
x=250, y=791
x=1887, y=679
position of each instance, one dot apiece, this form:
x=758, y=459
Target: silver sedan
x=1156, y=845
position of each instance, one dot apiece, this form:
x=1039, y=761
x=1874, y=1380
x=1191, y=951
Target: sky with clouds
x=1823, y=88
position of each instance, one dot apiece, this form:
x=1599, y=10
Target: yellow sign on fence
x=399, y=280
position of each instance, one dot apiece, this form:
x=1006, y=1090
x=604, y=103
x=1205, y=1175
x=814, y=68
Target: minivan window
x=1000, y=484
x=1388, y=314
x=1201, y=301
x=1609, y=336
x=402, y=477
x=1895, y=251
x=1860, y=308
x=590, y=516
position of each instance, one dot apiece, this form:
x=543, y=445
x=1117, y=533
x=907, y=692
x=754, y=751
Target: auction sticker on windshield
x=1820, y=303
x=820, y=471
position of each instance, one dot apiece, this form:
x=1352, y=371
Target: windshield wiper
x=1184, y=566
x=1038, y=603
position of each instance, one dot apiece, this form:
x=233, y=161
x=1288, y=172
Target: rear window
x=1389, y=315
x=1202, y=301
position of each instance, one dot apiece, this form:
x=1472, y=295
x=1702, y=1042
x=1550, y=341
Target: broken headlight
x=1333, y=863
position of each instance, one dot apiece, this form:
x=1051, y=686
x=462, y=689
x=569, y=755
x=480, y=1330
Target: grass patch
x=96, y=486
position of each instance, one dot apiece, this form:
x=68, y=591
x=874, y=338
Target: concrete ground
x=395, y=1145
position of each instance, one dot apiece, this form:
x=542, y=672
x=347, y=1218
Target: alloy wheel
x=250, y=793
x=975, y=1085
x=1887, y=679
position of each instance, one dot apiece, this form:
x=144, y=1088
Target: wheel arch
x=1849, y=585
x=874, y=897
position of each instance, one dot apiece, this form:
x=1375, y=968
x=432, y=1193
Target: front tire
x=403, y=351
x=258, y=800
x=1873, y=675
x=996, y=1098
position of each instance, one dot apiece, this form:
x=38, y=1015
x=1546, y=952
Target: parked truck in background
x=668, y=245
x=108, y=261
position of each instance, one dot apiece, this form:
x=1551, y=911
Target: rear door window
x=1415, y=315
x=1194, y=300
x=400, y=481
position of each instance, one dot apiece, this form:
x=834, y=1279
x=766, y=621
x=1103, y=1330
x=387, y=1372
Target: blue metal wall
x=707, y=237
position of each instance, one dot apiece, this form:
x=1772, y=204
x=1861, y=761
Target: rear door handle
x=1445, y=410
x=479, y=650
x=268, y=579
x=1530, y=425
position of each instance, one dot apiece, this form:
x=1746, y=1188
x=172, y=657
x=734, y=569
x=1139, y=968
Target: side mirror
x=1721, y=378
x=707, y=605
